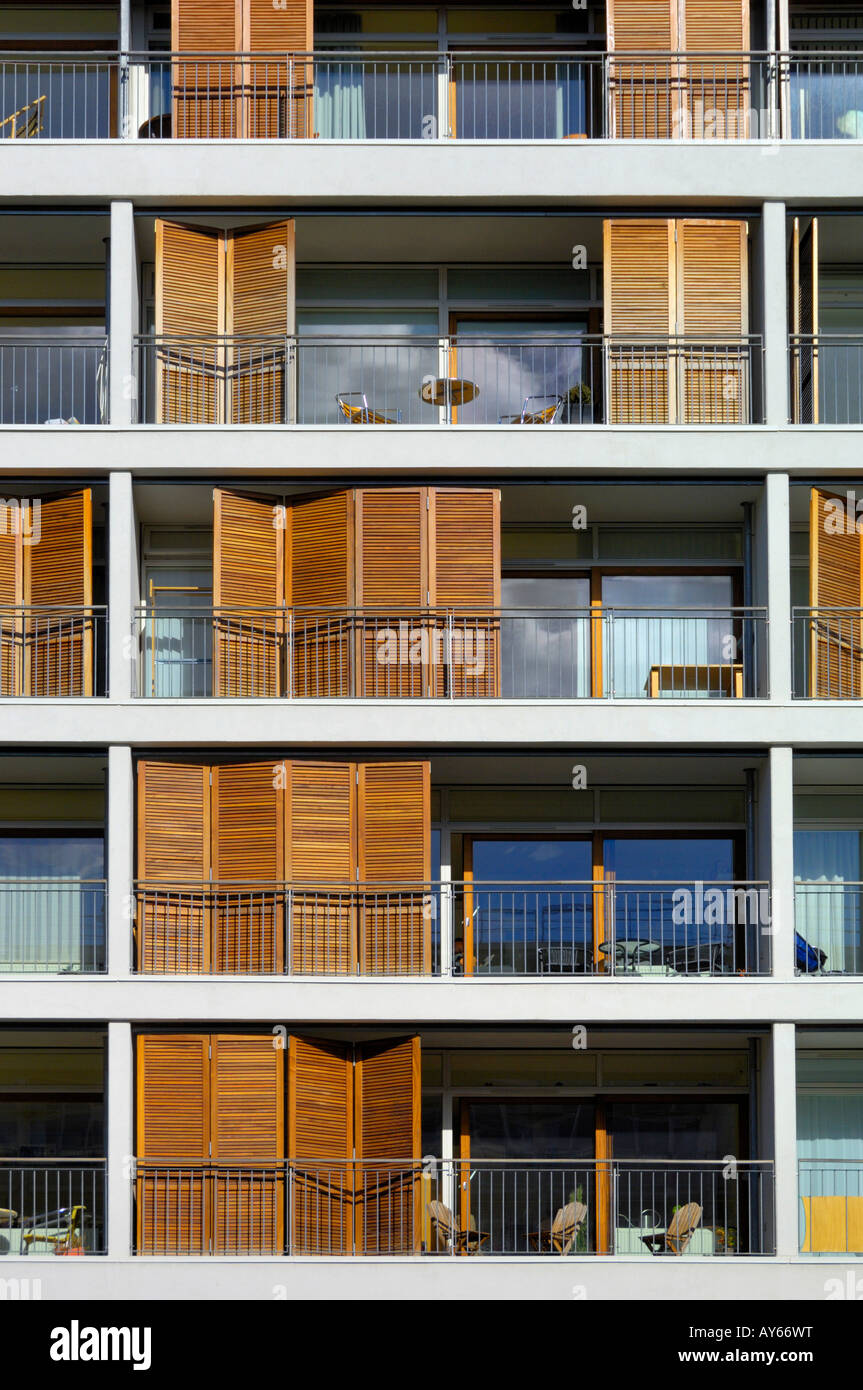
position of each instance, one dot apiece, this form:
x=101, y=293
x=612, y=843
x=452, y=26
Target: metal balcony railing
x=346, y=96
x=827, y=918
x=494, y=379
x=53, y=1206
x=52, y=926
x=53, y=652
x=830, y=1206
x=429, y=653
x=572, y=1207
x=53, y=379
x=827, y=653
x=630, y=930
x=827, y=375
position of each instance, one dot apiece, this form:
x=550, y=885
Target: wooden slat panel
x=712, y=302
x=639, y=285
x=804, y=309
x=281, y=104
x=320, y=1145
x=190, y=300
x=261, y=299
x=464, y=569
x=248, y=849
x=835, y=581
x=388, y=1084
x=58, y=574
x=321, y=578
x=248, y=595
x=320, y=828
x=174, y=849
x=392, y=578
x=394, y=822
x=207, y=103
x=173, y=1124
x=717, y=90
x=642, y=98
x=11, y=598
x=247, y=1100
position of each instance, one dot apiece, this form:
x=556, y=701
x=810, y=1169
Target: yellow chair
x=530, y=415
x=63, y=1233
x=363, y=414
x=21, y=128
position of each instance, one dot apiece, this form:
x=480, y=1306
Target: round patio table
x=448, y=391
x=629, y=948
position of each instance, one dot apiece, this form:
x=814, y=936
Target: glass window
x=677, y=859
x=531, y=906
x=678, y=543
x=531, y=1129
x=47, y=857
x=349, y=285
x=563, y=1067
x=71, y=1127
x=540, y=285
x=550, y=804
x=646, y=636
x=709, y=805
x=374, y=362
x=544, y=652
x=179, y=634
x=52, y=903
x=523, y=366
x=675, y=1069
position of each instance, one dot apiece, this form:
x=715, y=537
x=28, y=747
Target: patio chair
x=533, y=414
x=363, y=414
x=446, y=1234
x=23, y=126
x=60, y=1229
x=559, y=1235
x=675, y=1240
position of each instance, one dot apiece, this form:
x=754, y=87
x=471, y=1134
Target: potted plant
x=578, y=398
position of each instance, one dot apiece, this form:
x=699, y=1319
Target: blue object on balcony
x=807, y=958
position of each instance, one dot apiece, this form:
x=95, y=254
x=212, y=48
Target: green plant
x=580, y=394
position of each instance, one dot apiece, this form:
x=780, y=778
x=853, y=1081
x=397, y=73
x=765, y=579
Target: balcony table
x=629, y=949
x=448, y=391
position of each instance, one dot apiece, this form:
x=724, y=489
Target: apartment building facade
x=431, y=757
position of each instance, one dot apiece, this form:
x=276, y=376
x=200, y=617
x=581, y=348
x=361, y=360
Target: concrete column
x=120, y=1139
x=122, y=586
x=121, y=859
x=784, y=1068
x=772, y=311
x=781, y=813
x=123, y=314
x=777, y=566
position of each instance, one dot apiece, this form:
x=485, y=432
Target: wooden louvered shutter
x=248, y=596
x=394, y=863
x=320, y=831
x=714, y=383
x=716, y=90
x=392, y=591
x=260, y=316
x=280, y=98
x=173, y=918
x=642, y=93
x=835, y=598
x=173, y=1145
x=207, y=90
x=11, y=599
x=464, y=576
x=247, y=1101
x=804, y=322
x=388, y=1097
x=321, y=1146
x=190, y=319
x=320, y=590
x=639, y=293
x=248, y=838
x=58, y=589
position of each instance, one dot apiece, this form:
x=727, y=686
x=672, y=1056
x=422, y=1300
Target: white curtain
x=339, y=103
x=41, y=925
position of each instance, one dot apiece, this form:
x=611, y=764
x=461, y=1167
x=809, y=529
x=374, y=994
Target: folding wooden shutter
x=714, y=384
x=464, y=575
x=190, y=317
x=173, y=1144
x=207, y=100
x=260, y=315
x=804, y=322
x=58, y=591
x=173, y=921
x=394, y=862
x=280, y=97
x=320, y=590
x=642, y=94
x=320, y=1146
x=247, y=1099
x=248, y=852
x=717, y=89
x=392, y=591
x=835, y=584
x=388, y=1099
x=320, y=830
x=248, y=596
x=639, y=293
x=11, y=599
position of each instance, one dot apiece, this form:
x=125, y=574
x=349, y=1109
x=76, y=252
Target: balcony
x=392, y=95
x=56, y=378
x=826, y=653
x=828, y=923
x=53, y=927
x=827, y=377
x=440, y=1207
x=487, y=380
x=57, y=652
x=492, y=930
x=56, y=1208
